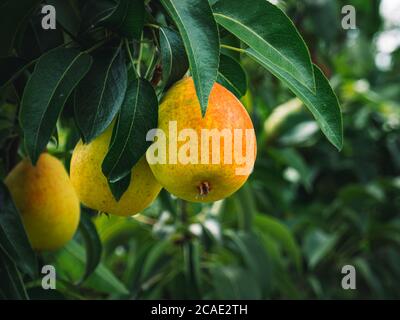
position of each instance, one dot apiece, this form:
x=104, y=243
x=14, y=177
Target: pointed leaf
x=100, y=93
x=119, y=187
x=269, y=32
x=199, y=33
x=55, y=76
x=173, y=56
x=323, y=104
x=139, y=114
x=232, y=76
x=13, y=238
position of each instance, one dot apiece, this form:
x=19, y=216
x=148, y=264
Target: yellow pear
x=46, y=200
x=198, y=158
x=92, y=186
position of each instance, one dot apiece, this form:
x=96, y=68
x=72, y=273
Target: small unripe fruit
x=92, y=187
x=47, y=202
x=206, y=158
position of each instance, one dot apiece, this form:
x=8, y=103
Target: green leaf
x=12, y=286
x=119, y=187
x=70, y=264
x=280, y=233
x=13, y=238
x=55, y=76
x=127, y=18
x=192, y=259
x=318, y=244
x=270, y=33
x=10, y=67
x=100, y=93
x=92, y=241
x=33, y=40
x=234, y=283
x=12, y=15
x=173, y=56
x=254, y=256
x=139, y=114
x=323, y=104
x=199, y=32
x=232, y=76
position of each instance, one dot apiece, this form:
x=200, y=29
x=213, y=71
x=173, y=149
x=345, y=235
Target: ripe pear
x=187, y=170
x=47, y=201
x=92, y=186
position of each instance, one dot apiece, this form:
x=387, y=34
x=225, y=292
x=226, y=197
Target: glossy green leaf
x=270, y=33
x=323, y=104
x=119, y=187
x=55, y=76
x=12, y=286
x=13, y=238
x=12, y=16
x=92, y=242
x=100, y=94
x=199, y=33
x=127, y=18
x=173, y=56
x=138, y=115
x=232, y=76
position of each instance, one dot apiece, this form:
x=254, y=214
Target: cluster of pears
x=49, y=200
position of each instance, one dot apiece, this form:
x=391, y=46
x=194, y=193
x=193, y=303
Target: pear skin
x=92, y=186
x=47, y=201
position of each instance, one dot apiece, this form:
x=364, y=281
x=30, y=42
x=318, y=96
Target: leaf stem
x=151, y=25
x=140, y=55
x=232, y=48
x=128, y=49
x=151, y=63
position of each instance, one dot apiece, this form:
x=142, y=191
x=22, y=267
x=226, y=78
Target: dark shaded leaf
x=55, y=76
x=232, y=76
x=119, y=187
x=100, y=93
x=173, y=56
x=67, y=16
x=12, y=16
x=199, y=33
x=12, y=287
x=127, y=18
x=9, y=68
x=138, y=115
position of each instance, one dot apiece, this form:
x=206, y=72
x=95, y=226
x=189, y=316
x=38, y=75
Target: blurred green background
x=307, y=209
